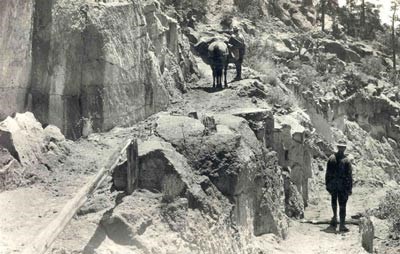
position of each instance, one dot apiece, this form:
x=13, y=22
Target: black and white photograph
x=199, y=126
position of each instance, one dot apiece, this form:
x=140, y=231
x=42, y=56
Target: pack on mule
x=214, y=51
x=218, y=54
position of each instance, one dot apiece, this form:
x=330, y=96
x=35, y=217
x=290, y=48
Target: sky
x=385, y=8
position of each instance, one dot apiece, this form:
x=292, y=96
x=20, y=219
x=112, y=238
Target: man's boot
x=333, y=222
x=238, y=72
x=342, y=227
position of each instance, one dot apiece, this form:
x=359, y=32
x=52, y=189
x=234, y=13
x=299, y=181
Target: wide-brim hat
x=341, y=143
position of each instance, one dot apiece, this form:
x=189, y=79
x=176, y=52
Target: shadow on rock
x=113, y=228
x=96, y=240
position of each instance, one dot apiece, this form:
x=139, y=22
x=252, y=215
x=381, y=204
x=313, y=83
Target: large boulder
x=161, y=168
x=302, y=21
x=176, y=129
x=341, y=51
x=363, y=49
x=281, y=50
x=26, y=140
x=25, y=147
x=23, y=137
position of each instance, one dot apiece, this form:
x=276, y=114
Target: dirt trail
x=25, y=211
x=307, y=238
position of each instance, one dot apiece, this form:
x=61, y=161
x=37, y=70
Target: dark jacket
x=339, y=175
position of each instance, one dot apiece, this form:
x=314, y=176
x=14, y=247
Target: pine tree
x=323, y=11
x=363, y=13
x=394, y=8
x=327, y=7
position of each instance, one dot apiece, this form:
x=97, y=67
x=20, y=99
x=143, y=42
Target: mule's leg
x=225, y=72
x=217, y=76
x=220, y=79
x=213, y=73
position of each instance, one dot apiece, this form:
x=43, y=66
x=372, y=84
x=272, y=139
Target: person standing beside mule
x=339, y=184
x=237, y=47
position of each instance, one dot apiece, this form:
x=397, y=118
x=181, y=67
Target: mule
x=215, y=52
x=218, y=55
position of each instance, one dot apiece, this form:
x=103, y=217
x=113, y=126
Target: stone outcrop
x=236, y=164
x=10, y=170
x=170, y=46
x=367, y=234
x=294, y=155
x=294, y=204
x=377, y=115
x=23, y=137
x=349, y=99
x=26, y=140
x=228, y=164
x=190, y=200
x=162, y=169
x=301, y=14
x=293, y=152
x=261, y=121
x=255, y=8
x=141, y=223
x=341, y=51
x=24, y=145
x=15, y=54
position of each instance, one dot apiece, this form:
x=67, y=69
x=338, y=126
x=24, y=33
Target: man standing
x=339, y=183
x=237, y=47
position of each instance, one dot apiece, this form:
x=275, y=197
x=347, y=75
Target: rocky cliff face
x=15, y=53
x=97, y=63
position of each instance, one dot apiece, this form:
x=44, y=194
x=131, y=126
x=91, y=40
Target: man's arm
x=349, y=177
x=329, y=175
